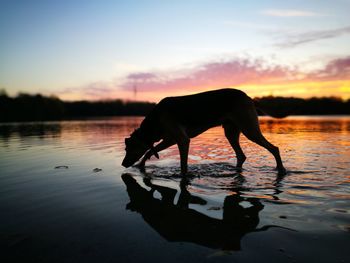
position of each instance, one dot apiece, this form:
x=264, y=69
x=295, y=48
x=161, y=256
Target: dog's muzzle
x=126, y=163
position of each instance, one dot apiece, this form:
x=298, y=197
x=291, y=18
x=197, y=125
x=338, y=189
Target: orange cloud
x=255, y=76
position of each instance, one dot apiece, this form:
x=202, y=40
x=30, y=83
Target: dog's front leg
x=159, y=147
x=179, y=135
x=183, y=144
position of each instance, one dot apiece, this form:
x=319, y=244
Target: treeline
x=311, y=106
x=25, y=107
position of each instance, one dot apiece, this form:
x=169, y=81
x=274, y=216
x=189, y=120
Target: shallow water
x=64, y=196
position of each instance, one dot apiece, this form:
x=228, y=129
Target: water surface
x=64, y=196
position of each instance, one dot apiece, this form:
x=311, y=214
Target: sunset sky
x=106, y=49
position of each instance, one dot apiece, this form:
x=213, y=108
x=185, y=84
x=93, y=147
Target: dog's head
x=135, y=148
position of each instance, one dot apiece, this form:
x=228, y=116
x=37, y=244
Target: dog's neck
x=148, y=130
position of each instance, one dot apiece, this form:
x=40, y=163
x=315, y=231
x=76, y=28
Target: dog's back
x=209, y=108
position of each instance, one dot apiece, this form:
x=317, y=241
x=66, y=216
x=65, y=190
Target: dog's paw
x=238, y=169
x=282, y=171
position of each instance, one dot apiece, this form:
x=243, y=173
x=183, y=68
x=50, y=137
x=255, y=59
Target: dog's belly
x=193, y=131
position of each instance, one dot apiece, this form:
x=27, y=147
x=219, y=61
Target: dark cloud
x=141, y=76
x=299, y=39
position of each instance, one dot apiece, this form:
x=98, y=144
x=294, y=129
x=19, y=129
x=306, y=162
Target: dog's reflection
x=177, y=222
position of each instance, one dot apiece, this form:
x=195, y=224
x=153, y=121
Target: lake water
x=64, y=196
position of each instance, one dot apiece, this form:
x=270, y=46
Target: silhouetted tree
x=312, y=106
x=26, y=107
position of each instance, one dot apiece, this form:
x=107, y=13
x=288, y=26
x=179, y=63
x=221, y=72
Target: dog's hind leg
x=249, y=125
x=232, y=133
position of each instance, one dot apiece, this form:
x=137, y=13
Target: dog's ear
x=127, y=141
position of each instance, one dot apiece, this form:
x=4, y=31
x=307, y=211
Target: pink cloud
x=237, y=72
x=335, y=69
x=98, y=90
x=210, y=75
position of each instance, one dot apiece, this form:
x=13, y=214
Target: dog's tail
x=269, y=111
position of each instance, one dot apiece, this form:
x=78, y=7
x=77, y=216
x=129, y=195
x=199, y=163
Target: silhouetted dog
x=175, y=120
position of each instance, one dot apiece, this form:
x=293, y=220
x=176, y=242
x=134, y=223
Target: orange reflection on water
x=297, y=138
x=315, y=149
